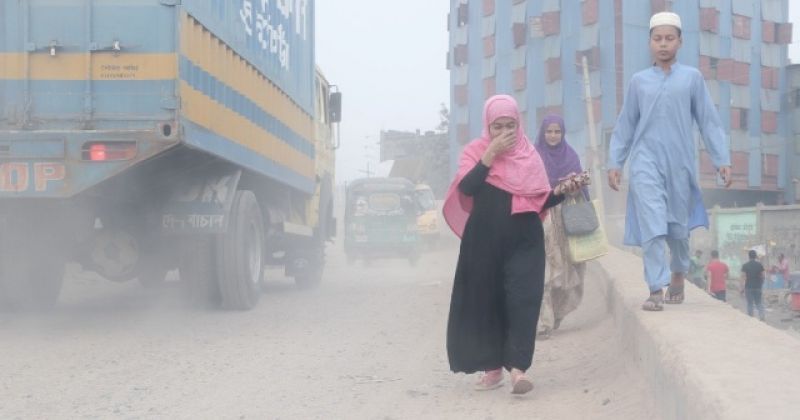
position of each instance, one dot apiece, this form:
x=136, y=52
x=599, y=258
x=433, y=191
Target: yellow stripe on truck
x=210, y=54
x=104, y=66
x=223, y=121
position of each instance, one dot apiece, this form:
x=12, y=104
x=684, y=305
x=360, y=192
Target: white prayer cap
x=665, y=18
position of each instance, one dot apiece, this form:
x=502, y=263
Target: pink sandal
x=521, y=384
x=491, y=379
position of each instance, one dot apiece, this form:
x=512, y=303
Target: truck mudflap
x=201, y=203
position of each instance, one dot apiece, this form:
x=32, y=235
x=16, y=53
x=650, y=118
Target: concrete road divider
x=703, y=359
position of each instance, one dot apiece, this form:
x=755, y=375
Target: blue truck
x=142, y=136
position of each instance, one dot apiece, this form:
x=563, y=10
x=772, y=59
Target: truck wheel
x=241, y=254
x=198, y=271
x=115, y=255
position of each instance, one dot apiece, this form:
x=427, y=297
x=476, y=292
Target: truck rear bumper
x=57, y=164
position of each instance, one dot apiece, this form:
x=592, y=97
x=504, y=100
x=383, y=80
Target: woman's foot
x=654, y=303
x=543, y=334
x=491, y=379
x=520, y=383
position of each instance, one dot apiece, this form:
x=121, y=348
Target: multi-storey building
x=793, y=144
x=534, y=50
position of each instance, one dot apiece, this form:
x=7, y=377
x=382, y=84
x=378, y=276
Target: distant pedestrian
x=563, y=282
x=782, y=272
x=495, y=204
x=696, y=269
x=717, y=273
x=752, y=284
x=654, y=132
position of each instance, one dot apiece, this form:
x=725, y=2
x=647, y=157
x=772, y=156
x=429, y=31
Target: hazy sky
x=388, y=58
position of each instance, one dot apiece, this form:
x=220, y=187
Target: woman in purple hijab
x=558, y=156
x=563, y=287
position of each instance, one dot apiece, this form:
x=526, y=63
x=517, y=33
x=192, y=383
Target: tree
x=444, y=119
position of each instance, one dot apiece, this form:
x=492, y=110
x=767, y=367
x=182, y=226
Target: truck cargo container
x=141, y=136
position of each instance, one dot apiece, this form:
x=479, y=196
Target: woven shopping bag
x=589, y=246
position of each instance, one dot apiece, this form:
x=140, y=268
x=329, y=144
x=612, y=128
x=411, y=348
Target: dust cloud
x=368, y=342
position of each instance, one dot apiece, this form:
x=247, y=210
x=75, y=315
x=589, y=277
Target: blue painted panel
x=203, y=139
x=572, y=96
x=789, y=158
x=48, y=99
x=62, y=149
x=45, y=149
x=754, y=116
x=139, y=25
x=277, y=41
x=608, y=64
x=212, y=87
x=475, y=63
x=725, y=48
x=504, y=47
x=689, y=11
x=455, y=147
x=534, y=69
x=120, y=104
x=635, y=37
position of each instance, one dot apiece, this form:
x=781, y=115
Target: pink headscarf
x=519, y=171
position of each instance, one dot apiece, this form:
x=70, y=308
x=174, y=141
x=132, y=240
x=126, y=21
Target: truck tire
x=198, y=271
x=241, y=254
x=116, y=255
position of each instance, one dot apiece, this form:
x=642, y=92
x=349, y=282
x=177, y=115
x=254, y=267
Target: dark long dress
x=499, y=281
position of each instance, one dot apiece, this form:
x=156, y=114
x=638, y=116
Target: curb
x=703, y=359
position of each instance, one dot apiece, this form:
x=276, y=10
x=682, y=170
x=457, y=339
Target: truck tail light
x=109, y=151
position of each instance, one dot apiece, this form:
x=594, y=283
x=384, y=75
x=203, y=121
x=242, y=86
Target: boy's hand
x=614, y=178
x=725, y=174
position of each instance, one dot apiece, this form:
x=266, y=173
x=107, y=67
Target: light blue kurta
x=654, y=132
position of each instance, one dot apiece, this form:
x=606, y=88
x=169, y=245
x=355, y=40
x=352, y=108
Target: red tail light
x=109, y=151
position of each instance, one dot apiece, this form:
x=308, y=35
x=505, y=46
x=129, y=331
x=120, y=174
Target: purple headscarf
x=559, y=160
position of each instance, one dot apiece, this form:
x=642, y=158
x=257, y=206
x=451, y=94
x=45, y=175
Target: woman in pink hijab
x=495, y=204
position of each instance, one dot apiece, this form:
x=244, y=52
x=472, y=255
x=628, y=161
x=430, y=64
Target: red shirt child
x=717, y=275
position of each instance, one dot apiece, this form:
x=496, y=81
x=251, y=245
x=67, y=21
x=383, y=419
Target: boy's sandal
x=674, y=294
x=653, y=303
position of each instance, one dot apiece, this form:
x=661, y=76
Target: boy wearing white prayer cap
x=654, y=134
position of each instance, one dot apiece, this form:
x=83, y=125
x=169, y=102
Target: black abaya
x=499, y=281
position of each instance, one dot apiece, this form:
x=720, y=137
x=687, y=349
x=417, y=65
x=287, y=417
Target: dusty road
x=368, y=343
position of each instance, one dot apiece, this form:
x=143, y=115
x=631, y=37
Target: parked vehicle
x=139, y=136
x=428, y=219
x=381, y=219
